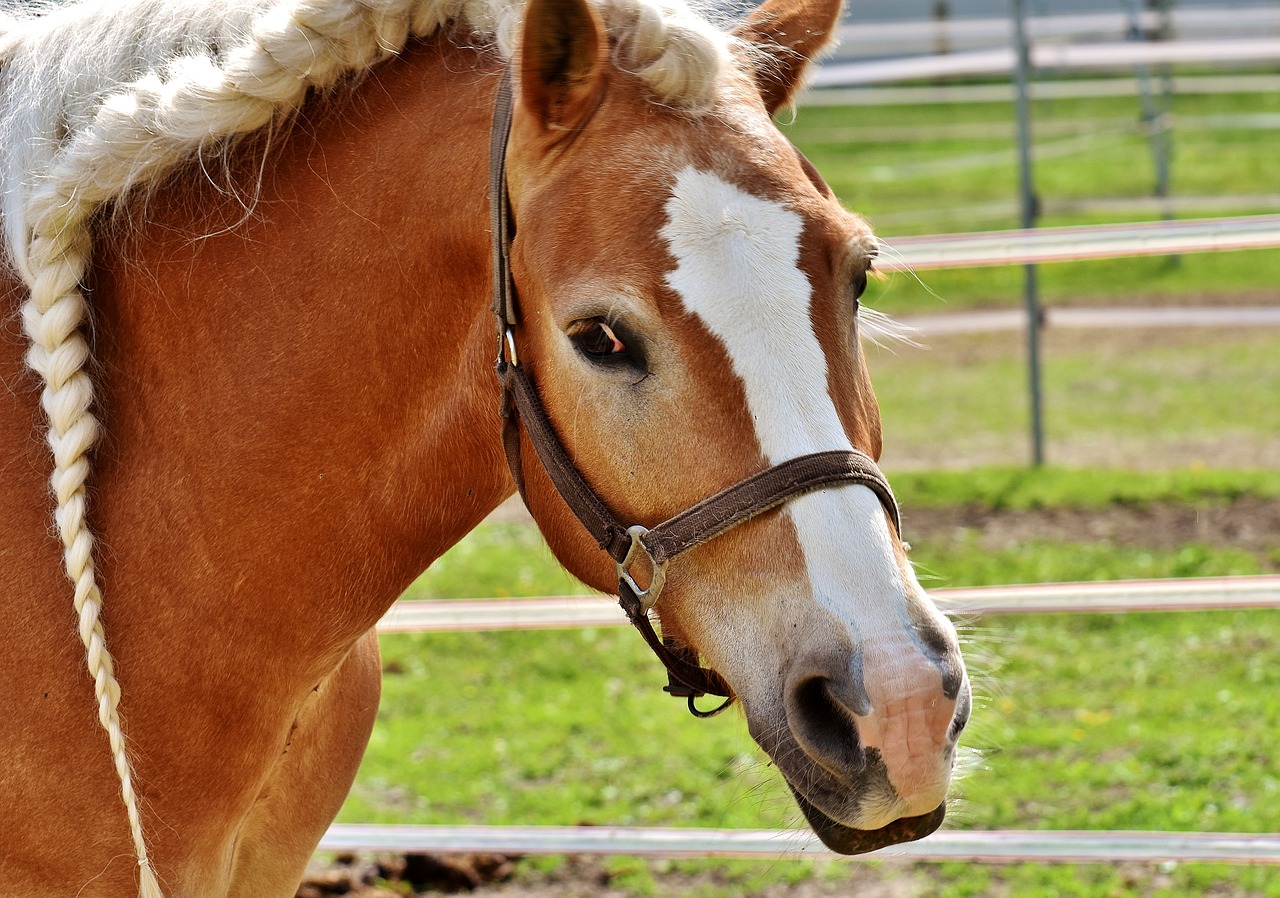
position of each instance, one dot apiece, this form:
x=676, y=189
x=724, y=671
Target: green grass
x=1205, y=278
x=500, y=726
x=1131, y=399
x=878, y=177
x=924, y=184
x=965, y=561
x=524, y=567
x=1027, y=488
x=1084, y=721
x=1102, y=734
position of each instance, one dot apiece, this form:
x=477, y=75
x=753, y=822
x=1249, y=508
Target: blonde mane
x=97, y=99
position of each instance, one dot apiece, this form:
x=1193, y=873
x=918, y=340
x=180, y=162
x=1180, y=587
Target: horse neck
x=301, y=406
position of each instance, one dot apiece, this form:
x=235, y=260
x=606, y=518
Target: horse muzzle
x=869, y=767
x=849, y=840
x=833, y=803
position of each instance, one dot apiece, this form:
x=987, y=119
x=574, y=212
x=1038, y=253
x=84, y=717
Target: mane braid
x=101, y=98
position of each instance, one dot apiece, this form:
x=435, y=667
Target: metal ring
x=647, y=597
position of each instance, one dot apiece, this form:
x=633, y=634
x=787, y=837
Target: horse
x=252, y=244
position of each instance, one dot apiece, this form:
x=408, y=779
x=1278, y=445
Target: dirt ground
x=1248, y=523
x=488, y=876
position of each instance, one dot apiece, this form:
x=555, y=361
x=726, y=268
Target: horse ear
x=562, y=59
x=787, y=35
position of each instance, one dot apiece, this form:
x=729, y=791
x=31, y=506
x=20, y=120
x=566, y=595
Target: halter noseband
x=704, y=521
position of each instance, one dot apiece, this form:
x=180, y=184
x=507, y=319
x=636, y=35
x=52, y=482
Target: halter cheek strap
x=625, y=543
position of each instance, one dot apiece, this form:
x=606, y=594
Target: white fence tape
x=1090, y=318
x=989, y=846
x=914, y=95
x=1024, y=247
x=1060, y=57
x=1197, y=594
x=858, y=38
x=564, y=612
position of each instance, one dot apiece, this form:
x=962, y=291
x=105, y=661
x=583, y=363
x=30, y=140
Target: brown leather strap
x=700, y=523
x=765, y=490
x=681, y=662
x=573, y=488
x=504, y=298
x=686, y=678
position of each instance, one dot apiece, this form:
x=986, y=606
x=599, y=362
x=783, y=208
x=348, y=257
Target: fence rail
x=878, y=39
x=1071, y=88
x=564, y=612
x=1075, y=243
x=989, y=846
x=1056, y=57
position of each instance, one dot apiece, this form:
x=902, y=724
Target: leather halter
x=660, y=544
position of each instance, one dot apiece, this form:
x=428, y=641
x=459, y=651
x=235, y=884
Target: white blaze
x=738, y=270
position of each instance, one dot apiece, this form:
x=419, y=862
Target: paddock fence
x=1079, y=242
x=1062, y=58
x=945, y=47
x=990, y=846
x=957, y=34
x=1041, y=89
x=976, y=845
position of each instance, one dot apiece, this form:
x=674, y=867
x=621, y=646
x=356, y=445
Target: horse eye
x=859, y=287
x=598, y=341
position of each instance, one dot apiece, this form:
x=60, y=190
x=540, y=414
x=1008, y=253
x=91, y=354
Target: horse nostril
x=961, y=719
x=824, y=727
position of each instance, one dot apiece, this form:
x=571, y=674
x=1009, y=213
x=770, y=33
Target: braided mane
x=98, y=98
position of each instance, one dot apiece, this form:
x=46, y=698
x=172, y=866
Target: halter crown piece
x=626, y=543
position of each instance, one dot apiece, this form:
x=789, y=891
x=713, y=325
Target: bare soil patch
x=493, y=876
x=1249, y=523
x=589, y=877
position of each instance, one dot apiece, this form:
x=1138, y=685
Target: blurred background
x=915, y=123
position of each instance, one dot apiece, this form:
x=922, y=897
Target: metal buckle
x=510, y=340
x=647, y=596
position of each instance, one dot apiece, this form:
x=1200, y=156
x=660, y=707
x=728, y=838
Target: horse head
x=688, y=317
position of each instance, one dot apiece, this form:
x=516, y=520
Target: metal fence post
x=1155, y=114
x=1030, y=208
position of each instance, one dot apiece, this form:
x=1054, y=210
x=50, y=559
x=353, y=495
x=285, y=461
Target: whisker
x=885, y=331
